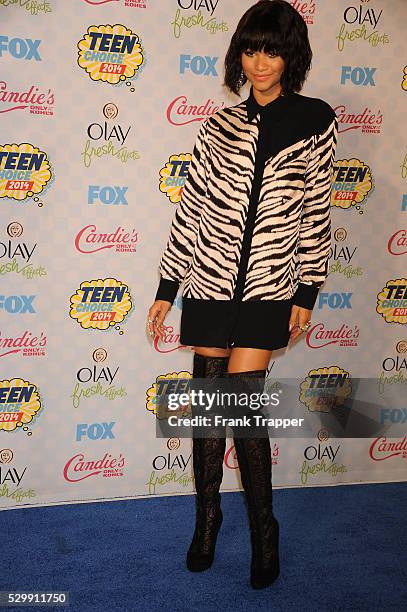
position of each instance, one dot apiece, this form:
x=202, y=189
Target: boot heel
x=264, y=573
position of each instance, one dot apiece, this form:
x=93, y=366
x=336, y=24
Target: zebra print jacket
x=291, y=233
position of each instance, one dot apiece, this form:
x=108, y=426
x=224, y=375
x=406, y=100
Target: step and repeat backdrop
x=100, y=104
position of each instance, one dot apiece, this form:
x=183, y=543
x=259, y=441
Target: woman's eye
x=249, y=53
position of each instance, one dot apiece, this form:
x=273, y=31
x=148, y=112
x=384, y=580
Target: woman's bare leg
x=247, y=359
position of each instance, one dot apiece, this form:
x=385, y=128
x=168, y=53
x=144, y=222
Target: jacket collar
x=253, y=107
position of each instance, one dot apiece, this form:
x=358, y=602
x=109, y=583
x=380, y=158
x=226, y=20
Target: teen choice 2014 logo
x=111, y=54
x=101, y=304
x=174, y=175
x=25, y=172
x=166, y=384
x=352, y=184
x=20, y=404
x=392, y=301
x=325, y=389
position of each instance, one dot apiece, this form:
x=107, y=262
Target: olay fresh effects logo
x=90, y=240
x=26, y=344
x=181, y=112
x=20, y=405
x=361, y=24
x=392, y=301
x=171, y=382
x=352, y=184
x=38, y=101
x=202, y=18
x=174, y=175
x=397, y=244
x=320, y=459
x=25, y=172
x=34, y=7
x=79, y=468
x=341, y=256
x=111, y=54
x=394, y=368
x=110, y=132
x=99, y=380
x=170, y=467
x=101, y=304
x=15, y=255
x=325, y=389
x=305, y=9
x=20, y=48
x=11, y=478
x=367, y=121
x=128, y=3
x=382, y=448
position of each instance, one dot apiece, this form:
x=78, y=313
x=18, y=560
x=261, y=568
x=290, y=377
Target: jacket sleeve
x=315, y=228
x=177, y=254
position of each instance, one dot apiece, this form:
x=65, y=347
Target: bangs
x=261, y=35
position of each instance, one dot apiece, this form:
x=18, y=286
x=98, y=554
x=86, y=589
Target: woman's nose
x=260, y=63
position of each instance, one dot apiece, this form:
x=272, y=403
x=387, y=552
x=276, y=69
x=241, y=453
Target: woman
x=250, y=239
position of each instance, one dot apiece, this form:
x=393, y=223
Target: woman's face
x=262, y=69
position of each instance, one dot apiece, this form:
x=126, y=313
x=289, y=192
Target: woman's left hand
x=299, y=316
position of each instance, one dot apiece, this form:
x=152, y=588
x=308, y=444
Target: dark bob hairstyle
x=271, y=26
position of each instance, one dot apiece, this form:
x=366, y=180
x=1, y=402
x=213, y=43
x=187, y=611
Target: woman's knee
x=212, y=351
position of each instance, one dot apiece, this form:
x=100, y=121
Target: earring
x=242, y=79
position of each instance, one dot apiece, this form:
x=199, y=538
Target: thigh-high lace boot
x=208, y=455
x=254, y=457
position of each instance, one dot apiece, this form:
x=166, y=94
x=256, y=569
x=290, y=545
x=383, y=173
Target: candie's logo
x=101, y=304
x=325, y=388
x=173, y=176
x=383, y=448
x=90, y=240
x=392, y=301
x=175, y=382
x=352, y=183
x=181, y=112
x=111, y=54
x=38, y=101
x=25, y=172
x=306, y=10
x=20, y=404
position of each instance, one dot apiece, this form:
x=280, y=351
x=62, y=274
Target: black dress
x=261, y=324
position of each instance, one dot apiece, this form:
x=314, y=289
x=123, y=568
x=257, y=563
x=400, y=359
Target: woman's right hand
x=156, y=316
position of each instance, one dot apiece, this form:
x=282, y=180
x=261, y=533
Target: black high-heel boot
x=208, y=454
x=254, y=457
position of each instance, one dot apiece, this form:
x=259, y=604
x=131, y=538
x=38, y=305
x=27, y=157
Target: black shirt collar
x=253, y=107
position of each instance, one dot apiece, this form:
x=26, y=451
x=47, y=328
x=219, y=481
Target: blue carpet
x=342, y=549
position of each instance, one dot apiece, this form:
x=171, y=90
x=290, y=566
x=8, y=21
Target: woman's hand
x=299, y=316
x=156, y=316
